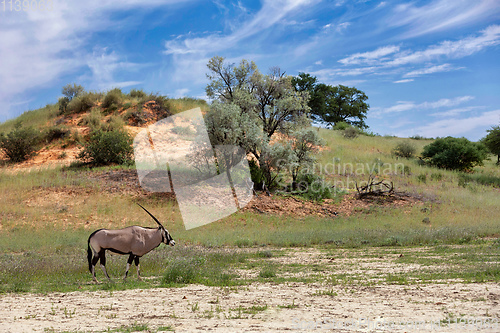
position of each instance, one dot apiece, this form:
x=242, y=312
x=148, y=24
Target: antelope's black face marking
x=166, y=238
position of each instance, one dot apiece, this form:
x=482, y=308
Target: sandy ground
x=290, y=307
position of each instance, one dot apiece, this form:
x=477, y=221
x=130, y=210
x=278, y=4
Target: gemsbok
x=135, y=241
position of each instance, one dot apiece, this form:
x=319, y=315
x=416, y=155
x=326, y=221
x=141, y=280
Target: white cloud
x=38, y=48
x=388, y=58
x=272, y=12
x=440, y=15
x=450, y=49
x=404, y=106
x=431, y=70
x=370, y=57
x=403, y=81
x=104, y=67
x=457, y=111
x=459, y=126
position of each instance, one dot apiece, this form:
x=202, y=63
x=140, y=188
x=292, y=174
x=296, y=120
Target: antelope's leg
x=95, y=259
x=129, y=262
x=136, y=261
x=102, y=257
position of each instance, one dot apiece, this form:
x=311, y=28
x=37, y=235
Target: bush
x=112, y=98
x=137, y=93
x=56, y=133
x=112, y=147
x=455, y=154
x=92, y=120
x=20, y=144
x=341, y=125
x=314, y=187
x=350, y=133
x=63, y=104
x=405, y=150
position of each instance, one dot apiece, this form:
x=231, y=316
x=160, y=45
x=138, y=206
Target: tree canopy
x=250, y=108
x=270, y=97
x=492, y=141
x=333, y=104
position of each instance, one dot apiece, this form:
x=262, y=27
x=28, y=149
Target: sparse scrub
x=436, y=176
x=314, y=187
x=350, y=133
x=82, y=103
x=55, y=133
x=21, y=143
x=137, y=93
x=341, y=126
x=114, y=98
x=93, y=120
x=404, y=149
x=107, y=147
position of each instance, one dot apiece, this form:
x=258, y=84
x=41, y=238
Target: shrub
x=436, y=176
x=114, y=123
x=454, y=153
x=107, y=147
x=92, y=120
x=340, y=126
x=314, y=187
x=55, y=133
x=137, y=93
x=350, y=133
x=405, y=150
x=20, y=144
x=113, y=97
x=422, y=178
x=63, y=103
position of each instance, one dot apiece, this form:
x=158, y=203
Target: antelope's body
x=134, y=241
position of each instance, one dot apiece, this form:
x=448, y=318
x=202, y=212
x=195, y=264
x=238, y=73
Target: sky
x=429, y=68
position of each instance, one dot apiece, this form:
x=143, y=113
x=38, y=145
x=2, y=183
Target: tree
x=304, y=82
x=250, y=108
x=270, y=97
x=333, y=104
x=455, y=153
x=304, y=142
x=492, y=141
x=72, y=91
x=227, y=125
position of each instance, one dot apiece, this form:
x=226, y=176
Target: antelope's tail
x=89, y=256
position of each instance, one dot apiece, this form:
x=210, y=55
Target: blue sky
x=428, y=67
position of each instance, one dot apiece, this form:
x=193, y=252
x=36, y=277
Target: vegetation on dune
x=455, y=153
x=21, y=143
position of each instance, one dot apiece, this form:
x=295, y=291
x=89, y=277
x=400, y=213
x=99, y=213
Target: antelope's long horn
x=154, y=218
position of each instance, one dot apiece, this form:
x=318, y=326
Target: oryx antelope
x=135, y=241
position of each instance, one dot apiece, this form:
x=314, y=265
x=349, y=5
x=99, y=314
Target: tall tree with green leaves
x=492, y=141
x=271, y=97
x=250, y=108
x=333, y=104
